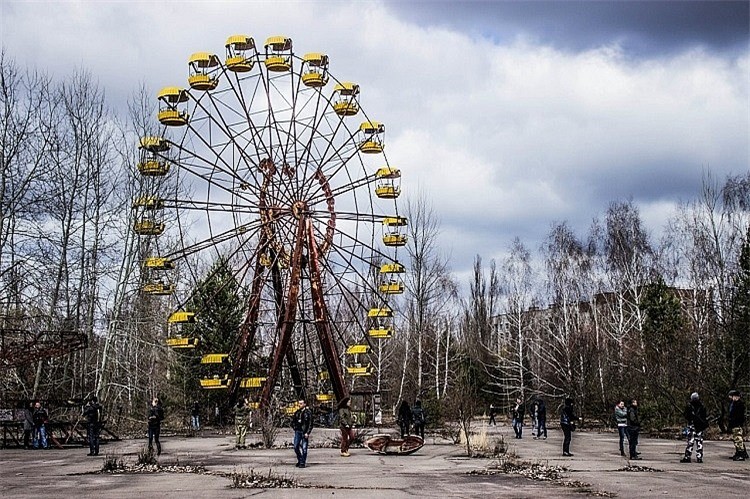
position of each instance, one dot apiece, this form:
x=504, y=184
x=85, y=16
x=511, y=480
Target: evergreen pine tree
x=218, y=303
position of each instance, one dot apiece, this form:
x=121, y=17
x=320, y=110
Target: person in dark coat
x=493, y=413
x=93, y=413
x=736, y=424
x=697, y=421
x=419, y=417
x=40, y=417
x=404, y=418
x=541, y=418
x=634, y=429
x=302, y=423
x=517, y=414
x=155, y=417
x=28, y=425
x=568, y=420
x=346, y=425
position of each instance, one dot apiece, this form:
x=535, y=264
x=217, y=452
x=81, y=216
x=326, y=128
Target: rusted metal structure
x=19, y=347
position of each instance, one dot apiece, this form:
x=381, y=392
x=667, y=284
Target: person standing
x=568, y=420
x=302, y=423
x=419, y=418
x=195, y=416
x=28, y=424
x=634, y=429
x=241, y=421
x=93, y=413
x=493, y=413
x=517, y=414
x=404, y=418
x=736, y=424
x=541, y=418
x=697, y=421
x=40, y=417
x=155, y=417
x=621, y=418
x=346, y=425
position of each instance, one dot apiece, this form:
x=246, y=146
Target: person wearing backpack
x=419, y=418
x=93, y=413
x=697, y=420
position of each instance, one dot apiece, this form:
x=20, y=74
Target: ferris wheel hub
x=299, y=208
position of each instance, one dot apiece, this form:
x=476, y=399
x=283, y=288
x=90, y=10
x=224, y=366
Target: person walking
x=28, y=424
x=93, y=413
x=40, y=418
x=517, y=414
x=404, y=418
x=419, y=417
x=155, y=417
x=568, y=420
x=302, y=423
x=346, y=425
x=493, y=413
x=195, y=416
x=736, y=424
x=634, y=429
x=621, y=419
x=541, y=418
x=241, y=421
x=697, y=421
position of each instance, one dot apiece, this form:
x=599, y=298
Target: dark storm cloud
x=641, y=27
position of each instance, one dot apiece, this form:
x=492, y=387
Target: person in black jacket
x=541, y=419
x=40, y=417
x=634, y=429
x=419, y=417
x=404, y=418
x=93, y=412
x=568, y=420
x=517, y=414
x=155, y=417
x=736, y=424
x=302, y=423
x=697, y=420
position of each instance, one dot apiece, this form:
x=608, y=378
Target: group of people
x=518, y=413
x=409, y=418
x=35, y=420
x=628, y=424
x=696, y=418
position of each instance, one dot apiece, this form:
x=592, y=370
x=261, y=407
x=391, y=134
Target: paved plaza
x=439, y=469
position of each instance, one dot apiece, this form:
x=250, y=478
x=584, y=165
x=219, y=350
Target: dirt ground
x=439, y=469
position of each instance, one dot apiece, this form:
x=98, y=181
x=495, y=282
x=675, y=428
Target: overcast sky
x=508, y=115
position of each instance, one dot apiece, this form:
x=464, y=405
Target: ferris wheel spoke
x=251, y=228
x=231, y=141
x=204, y=163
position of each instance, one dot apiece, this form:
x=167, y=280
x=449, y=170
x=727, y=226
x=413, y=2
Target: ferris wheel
x=289, y=178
